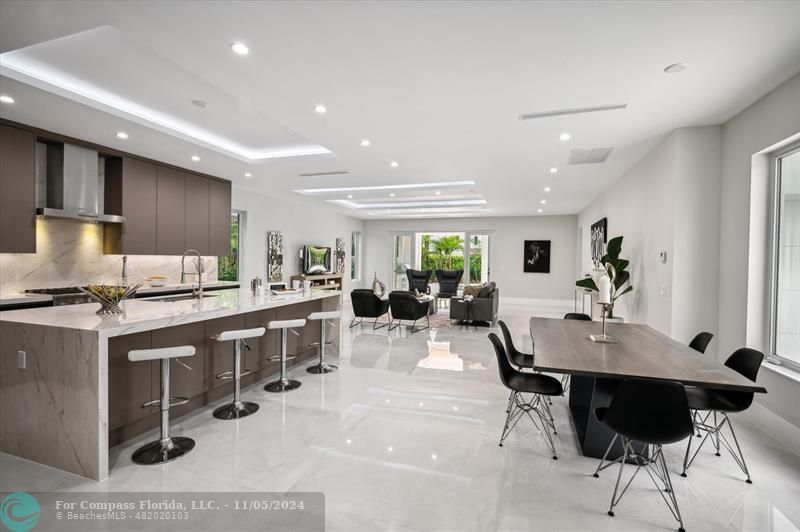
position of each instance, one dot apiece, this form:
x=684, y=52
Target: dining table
x=596, y=369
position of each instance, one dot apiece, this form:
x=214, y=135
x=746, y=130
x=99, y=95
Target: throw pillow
x=486, y=290
x=472, y=290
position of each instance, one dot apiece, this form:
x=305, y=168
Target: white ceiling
x=436, y=86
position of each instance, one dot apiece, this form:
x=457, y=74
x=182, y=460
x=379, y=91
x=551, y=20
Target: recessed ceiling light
x=538, y=210
x=409, y=204
x=554, y=170
x=547, y=189
x=122, y=135
x=438, y=192
x=195, y=158
x=321, y=109
x=240, y=48
x=365, y=142
x=6, y=99
x=392, y=195
x=349, y=196
x=675, y=68
x=394, y=164
x=248, y=174
x=565, y=136
x=543, y=201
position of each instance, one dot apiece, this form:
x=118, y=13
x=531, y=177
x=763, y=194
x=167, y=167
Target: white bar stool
x=238, y=408
x=323, y=317
x=166, y=448
x=284, y=384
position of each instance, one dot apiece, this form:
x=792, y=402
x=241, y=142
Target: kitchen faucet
x=199, y=273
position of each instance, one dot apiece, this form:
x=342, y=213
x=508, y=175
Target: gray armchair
x=484, y=305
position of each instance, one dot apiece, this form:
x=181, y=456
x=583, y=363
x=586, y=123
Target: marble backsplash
x=70, y=252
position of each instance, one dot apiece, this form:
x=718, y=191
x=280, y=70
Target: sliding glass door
x=402, y=259
x=478, y=253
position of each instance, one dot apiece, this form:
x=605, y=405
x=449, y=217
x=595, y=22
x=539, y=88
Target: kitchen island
x=68, y=391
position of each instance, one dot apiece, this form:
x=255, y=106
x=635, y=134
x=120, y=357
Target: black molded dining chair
x=700, y=342
x=716, y=403
x=536, y=384
x=577, y=316
x=654, y=413
x=518, y=358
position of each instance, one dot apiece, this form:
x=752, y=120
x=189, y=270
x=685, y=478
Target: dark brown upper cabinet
x=198, y=190
x=17, y=190
x=170, y=211
x=131, y=187
x=219, y=237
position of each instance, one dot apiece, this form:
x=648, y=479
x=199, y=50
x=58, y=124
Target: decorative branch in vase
x=621, y=276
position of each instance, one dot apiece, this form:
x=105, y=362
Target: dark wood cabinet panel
x=219, y=355
x=219, y=238
x=134, y=184
x=265, y=346
x=170, y=211
x=129, y=383
x=197, y=222
x=183, y=382
x=17, y=190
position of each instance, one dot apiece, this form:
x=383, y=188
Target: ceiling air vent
x=574, y=111
x=589, y=155
x=323, y=174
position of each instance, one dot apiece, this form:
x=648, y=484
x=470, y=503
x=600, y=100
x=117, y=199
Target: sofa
x=367, y=305
x=484, y=305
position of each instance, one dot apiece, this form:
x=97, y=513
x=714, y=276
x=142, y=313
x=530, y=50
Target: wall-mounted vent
x=323, y=174
x=574, y=111
x=589, y=156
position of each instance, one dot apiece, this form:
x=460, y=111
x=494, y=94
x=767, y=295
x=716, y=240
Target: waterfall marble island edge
x=57, y=407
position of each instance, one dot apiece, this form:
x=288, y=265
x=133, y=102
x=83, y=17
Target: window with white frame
x=355, y=256
x=786, y=292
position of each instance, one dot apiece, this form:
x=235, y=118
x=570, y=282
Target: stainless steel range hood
x=73, y=185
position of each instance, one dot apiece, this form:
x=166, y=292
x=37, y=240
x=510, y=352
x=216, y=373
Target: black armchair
x=448, y=283
x=418, y=280
x=367, y=305
x=406, y=306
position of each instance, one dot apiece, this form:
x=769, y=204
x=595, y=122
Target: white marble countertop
x=143, y=315
x=15, y=298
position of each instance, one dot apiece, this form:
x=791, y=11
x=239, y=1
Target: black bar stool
x=284, y=384
x=323, y=317
x=166, y=448
x=238, y=408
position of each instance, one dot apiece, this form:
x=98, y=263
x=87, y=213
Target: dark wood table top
x=563, y=346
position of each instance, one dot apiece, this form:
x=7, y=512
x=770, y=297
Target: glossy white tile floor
x=398, y=448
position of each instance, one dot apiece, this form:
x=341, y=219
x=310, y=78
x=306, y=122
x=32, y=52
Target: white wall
x=767, y=122
x=668, y=201
x=301, y=222
x=506, y=249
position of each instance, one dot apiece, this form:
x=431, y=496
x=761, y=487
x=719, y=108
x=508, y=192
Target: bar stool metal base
x=322, y=367
x=235, y=410
x=282, y=385
x=161, y=452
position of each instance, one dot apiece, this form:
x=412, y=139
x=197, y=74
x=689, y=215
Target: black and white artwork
x=598, y=241
x=537, y=256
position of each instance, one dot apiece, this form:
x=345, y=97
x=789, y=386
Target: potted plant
x=621, y=278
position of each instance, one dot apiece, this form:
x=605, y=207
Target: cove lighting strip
x=312, y=191
x=43, y=77
x=408, y=204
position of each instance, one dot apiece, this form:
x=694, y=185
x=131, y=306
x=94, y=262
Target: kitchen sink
x=171, y=299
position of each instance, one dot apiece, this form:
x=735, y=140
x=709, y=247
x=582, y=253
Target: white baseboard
x=781, y=430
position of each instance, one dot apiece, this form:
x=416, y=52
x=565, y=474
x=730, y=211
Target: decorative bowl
x=110, y=296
